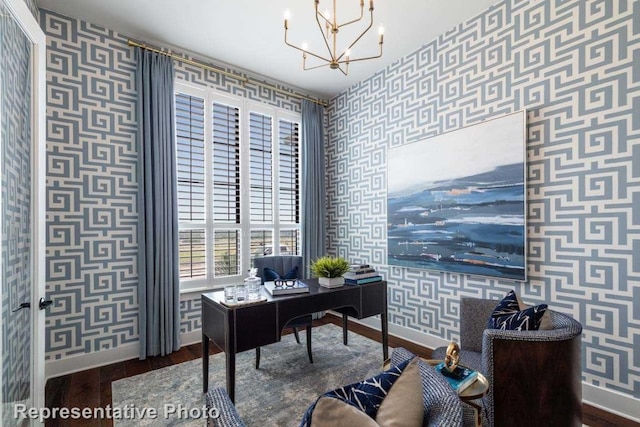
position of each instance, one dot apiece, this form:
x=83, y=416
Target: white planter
x=331, y=282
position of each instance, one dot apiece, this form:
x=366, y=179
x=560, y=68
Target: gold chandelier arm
x=346, y=61
x=357, y=19
x=326, y=42
x=362, y=59
x=359, y=37
x=304, y=67
x=326, y=21
x=302, y=50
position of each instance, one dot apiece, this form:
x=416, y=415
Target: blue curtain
x=158, y=269
x=314, y=210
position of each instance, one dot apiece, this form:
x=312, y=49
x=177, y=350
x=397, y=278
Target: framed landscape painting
x=456, y=202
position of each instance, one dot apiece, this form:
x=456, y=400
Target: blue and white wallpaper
x=574, y=65
x=15, y=155
x=92, y=218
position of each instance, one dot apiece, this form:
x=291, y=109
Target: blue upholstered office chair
x=283, y=264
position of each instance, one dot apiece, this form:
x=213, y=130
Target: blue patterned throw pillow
x=359, y=403
x=508, y=316
x=269, y=274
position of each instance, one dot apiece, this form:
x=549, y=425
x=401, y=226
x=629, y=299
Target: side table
x=477, y=390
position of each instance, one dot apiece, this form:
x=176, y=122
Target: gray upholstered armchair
x=442, y=407
x=282, y=264
x=534, y=376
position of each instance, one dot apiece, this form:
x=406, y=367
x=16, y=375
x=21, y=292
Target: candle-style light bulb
x=381, y=34
x=347, y=54
x=287, y=16
x=305, y=46
x=327, y=15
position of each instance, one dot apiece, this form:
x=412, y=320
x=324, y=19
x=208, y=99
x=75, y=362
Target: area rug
x=277, y=394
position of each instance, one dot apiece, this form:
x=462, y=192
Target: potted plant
x=329, y=270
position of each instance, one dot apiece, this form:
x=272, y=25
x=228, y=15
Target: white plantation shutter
x=261, y=157
x=190, y=161
x=289, y=172
x=226, y=163
x=238, y=185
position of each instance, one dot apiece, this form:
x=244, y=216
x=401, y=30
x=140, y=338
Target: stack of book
x=359, y=274
x=461, y=377
x=291, y=287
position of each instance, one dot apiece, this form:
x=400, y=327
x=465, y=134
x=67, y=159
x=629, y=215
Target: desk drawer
x=374, y=299
x=255, y=326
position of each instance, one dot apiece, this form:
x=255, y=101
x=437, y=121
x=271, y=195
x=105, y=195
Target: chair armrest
x=399, y=355
x=545, y=363
x=218, y=400
x=564, y=328
x=442, y=406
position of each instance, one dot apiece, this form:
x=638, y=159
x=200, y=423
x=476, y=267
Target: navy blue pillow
x=365, y=395
x=508, y=305
x=269, y=274
x=508, y=316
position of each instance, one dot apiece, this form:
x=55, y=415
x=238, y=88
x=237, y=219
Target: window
x=238, y=172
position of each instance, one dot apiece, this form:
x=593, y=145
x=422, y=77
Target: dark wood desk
x=241, y=328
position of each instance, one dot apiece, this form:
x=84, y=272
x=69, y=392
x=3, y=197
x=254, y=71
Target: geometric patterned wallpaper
x=15, y=134
x=575, y=67
x=91, y=189
x=91, y=245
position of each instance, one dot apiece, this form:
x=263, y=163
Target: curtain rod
x=242, y=79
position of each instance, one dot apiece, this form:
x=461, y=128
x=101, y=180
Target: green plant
x=327, y=266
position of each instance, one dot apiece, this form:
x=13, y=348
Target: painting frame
x=456, y=202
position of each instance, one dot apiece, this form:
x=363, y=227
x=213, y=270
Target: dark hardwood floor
x=92, y=388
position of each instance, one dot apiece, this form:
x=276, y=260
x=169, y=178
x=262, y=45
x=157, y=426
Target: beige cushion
x=330, y=412
x=545, y=322
x=403, y=405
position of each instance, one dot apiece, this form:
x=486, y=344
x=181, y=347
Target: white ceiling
x=250, y=33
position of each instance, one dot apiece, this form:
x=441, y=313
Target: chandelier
x=329, y=28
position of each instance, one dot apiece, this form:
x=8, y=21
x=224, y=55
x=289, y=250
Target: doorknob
x=21, y=306
x=44, y=303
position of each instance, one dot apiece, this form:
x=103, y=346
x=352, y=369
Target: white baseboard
x=416, y=337
x=82, y=362
x=192, y=337
x=607, y=400
x=611, y=401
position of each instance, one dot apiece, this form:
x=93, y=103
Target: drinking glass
x=241, y=293
x=229, y=293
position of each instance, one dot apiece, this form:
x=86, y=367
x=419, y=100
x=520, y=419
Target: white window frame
x=245, y=227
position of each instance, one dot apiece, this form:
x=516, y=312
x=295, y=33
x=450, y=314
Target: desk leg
x=385, y=335
x=231, y=374
x=345, y=329
x=205, y=363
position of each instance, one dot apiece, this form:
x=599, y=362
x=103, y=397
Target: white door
x=22, y=152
